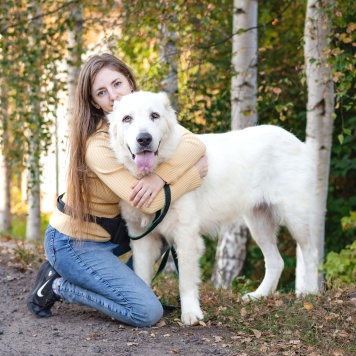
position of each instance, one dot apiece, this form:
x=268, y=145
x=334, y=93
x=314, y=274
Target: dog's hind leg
x=263, y=228
x=146, y=251
x=307, y=255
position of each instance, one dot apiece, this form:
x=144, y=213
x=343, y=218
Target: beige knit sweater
x=111, y=182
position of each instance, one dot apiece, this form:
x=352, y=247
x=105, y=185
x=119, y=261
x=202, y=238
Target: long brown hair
x=84, y=122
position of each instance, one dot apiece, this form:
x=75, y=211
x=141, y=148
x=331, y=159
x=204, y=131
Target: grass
x=279, y=324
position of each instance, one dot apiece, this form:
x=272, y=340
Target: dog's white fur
x=263, y=174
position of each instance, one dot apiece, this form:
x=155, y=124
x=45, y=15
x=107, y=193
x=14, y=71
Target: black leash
x=162, y=266
x=159, y=215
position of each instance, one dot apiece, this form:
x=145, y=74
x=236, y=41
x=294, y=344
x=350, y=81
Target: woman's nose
x=114, y=95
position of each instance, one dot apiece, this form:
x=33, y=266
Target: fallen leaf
x=243, y=312
x=218, y=338
x=161, y=323
x=174, y=351
x=343, y=333
x=206, y=339
x=257, y=333
x=143, y=332
x=179, y=322
x=197, y=323
x=308, y=306
x=338, y=353
x=247, y=340
x=279, y=303
x=132, y=344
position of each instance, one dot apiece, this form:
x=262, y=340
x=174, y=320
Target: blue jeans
x=92, y=275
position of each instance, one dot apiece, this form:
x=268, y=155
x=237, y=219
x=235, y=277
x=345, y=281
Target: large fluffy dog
x=263, y=174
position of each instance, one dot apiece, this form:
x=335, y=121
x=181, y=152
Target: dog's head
x=139, y=125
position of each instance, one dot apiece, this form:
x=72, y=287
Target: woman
x=82, y=266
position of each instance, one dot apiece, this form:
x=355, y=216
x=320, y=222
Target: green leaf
x=341, y=138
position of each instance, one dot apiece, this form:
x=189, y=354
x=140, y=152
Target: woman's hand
x=202, y=166
x=146, y=190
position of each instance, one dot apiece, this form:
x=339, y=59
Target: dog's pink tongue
x=144, y=161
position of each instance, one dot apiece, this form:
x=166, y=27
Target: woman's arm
x=186, y=155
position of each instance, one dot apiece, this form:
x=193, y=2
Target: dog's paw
x=189, y=318
x=251, y=296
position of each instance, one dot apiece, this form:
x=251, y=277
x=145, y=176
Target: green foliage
x=204, y=53
x=341, y=267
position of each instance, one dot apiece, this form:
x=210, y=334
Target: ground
x=280, y=324
x=77, y=330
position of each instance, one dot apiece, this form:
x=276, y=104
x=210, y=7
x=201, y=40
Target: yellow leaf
x=308, y=306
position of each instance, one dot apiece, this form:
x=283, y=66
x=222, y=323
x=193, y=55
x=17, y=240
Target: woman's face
x=108, y=86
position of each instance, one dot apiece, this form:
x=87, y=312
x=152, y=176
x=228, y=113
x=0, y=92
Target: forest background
x=37, y=59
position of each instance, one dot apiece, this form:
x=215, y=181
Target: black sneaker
x=41, y=298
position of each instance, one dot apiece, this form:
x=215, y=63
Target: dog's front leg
x=190, y=248
x=145, y=253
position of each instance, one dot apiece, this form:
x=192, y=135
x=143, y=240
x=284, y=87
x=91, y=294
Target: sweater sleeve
x=102, y=162
x=188, y=152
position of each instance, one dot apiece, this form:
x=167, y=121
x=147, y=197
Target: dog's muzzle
x=145, y=157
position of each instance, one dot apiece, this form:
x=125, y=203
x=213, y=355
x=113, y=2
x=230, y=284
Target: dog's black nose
x=144, y=139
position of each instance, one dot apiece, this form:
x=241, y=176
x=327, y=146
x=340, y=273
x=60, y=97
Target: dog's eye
x=155, y=115
x=127, y=119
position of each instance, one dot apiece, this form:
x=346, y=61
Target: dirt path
x=77, y=330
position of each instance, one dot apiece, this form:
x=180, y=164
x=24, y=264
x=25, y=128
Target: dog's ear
x=165, y=99
x=170, y=112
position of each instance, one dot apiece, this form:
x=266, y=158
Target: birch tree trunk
x=169, y=60
x=320, y=109
x=232, y=245
x=5, y=170
x=33, y=224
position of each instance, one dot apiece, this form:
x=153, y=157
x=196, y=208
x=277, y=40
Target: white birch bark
x=5, y=170
x=33, y=223
x=232, y=245
x=169, y=59
x=320, y=109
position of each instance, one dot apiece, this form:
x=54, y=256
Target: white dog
x=263, y=174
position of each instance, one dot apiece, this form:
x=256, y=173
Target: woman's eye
x=127, y=119
x=117, y=84
x=155, y=115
